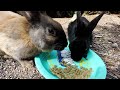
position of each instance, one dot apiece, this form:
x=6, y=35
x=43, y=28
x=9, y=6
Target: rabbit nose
x=75, y=58
x=59, y=48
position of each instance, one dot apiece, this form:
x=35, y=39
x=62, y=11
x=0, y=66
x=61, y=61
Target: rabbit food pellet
x=71, y=72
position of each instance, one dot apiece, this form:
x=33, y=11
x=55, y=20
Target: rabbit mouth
x=75, y=58
x=59, y=47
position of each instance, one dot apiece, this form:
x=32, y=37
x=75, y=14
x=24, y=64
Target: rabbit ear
x=30, y=15
x=79, y=20
x=79, y=14
x=27, y=14
x=80, y=25
x=94, y=22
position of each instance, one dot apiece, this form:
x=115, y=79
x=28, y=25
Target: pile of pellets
x=71, y=72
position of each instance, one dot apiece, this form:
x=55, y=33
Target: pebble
x=0, y=67
x=119, y=16
x=98, y=36
x=110, y=41
x=6, y=56
x=119, y=67
x=115, y=45
x=91, y=46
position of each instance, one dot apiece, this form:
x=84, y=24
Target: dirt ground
x=106, y=43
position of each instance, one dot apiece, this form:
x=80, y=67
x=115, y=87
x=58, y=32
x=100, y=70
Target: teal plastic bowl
x=45, y=61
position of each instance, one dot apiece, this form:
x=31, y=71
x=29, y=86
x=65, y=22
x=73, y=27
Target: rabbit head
x=80, y=35
x=45, y=33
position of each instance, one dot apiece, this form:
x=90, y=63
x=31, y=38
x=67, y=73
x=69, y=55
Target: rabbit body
x=22, y=39
x=80, y=35
x=15, y=40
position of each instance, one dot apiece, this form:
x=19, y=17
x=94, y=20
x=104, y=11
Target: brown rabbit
x=29, y=33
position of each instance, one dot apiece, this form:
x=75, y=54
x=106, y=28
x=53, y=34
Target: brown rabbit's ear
x=30, y=15
x=91, y=26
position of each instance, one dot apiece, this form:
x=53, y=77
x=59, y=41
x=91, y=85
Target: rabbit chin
x=47, y=50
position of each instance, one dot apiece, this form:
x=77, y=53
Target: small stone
x=111, y=41
x=6, y=56
x=91, y=46
x=114, y=45
x=0, y=67
x=119, y=67
x=119, y=16
x=98, y=36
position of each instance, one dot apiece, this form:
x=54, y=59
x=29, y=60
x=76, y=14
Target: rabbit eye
x=51, y=31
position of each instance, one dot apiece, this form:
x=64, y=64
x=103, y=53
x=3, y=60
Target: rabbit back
x=15, y=40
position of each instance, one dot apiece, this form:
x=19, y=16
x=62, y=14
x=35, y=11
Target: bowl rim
x=40, y=67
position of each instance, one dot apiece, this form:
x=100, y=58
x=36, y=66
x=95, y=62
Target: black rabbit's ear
x=80, y=24
x=30, y=15
x=79, y=21
x=79, y=14
x=91, y=26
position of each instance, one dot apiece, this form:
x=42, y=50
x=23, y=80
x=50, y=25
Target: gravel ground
x=106, y=43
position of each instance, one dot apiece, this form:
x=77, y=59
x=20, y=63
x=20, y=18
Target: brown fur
x=14, y=38
x=26, y=36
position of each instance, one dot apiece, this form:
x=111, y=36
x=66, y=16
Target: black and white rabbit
x=27, y=33
x=80, y=35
